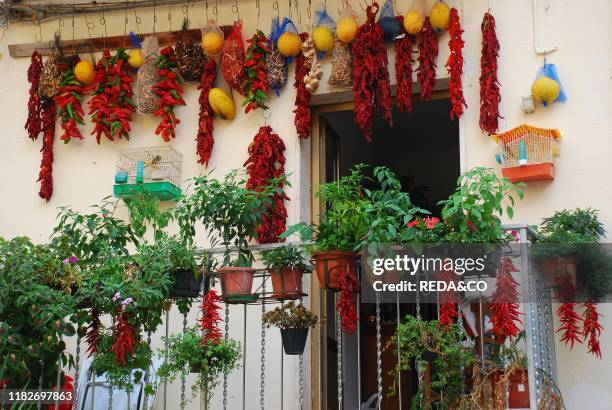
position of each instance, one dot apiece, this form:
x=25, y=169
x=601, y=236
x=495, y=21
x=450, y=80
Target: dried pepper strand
x=302, y=96
x=489, y=83
x=111, y=106
x=371, y=73
x=69, y=107
x=33, y=124
x=124, y=344
x=170, y=93
x=93, y=333
x=209, y=322
x=454, y=64
x=267, y=161
x=569, y=319
x=205, y=139
x=505, y=305
x=428, y=52
x=448, y=312
x=403, y=69
x=346, y=302
x=591, y=328
x=45, y=176
x=255, y=84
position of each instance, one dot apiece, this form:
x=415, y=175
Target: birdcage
x=156, y=170
x=528, y=153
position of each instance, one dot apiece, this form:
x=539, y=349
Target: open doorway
x=422, y=148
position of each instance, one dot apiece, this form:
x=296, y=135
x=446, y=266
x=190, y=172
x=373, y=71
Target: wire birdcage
x=151, y=164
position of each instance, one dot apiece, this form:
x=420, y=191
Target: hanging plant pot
x=294, y=340
x=518, y=397
x=553, y=268
x=186, y=284
x=330, y=265
x=236, y=281
x=429, y=356
x=287, y=283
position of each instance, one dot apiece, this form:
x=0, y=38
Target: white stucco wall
x=83, y=171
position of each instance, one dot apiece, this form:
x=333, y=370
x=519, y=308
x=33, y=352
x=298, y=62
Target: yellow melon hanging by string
x=135, y=58
x=212, y=42
x=222, y=104
x=545, y=90
x=413, y=22
x=439, y=16
x=323, y=39
x=289, y=44
x=84, y=72
x=346, y=29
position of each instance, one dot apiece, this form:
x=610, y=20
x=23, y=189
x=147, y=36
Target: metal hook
x=154, y=15
x=170, y=16
x=138, y=20
x=276, y=7
x=235, y=9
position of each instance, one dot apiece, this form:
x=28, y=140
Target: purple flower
x=72, y=259
x=127, y=301
x=117, y=296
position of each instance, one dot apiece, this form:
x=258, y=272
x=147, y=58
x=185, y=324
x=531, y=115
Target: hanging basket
x=236, y=282
x=294, y=340
x=330, y=265
x=286, y=283
x=187, y=285
x=553, y=268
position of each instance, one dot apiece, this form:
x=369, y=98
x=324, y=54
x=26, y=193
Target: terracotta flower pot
x=286, y=283
x=330, y=265
x=236, y=280
x=294, y=340
x=552, y=268
x=518, y=388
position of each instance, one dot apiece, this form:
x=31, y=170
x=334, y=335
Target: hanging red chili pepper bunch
x=302, y=96
x=403, y=69
x=111, y=106
x=489, y=84
x=569, y=319
x=33, y=124
x=454, y=64
x=591, y=328
x=45, y=175
x=448, y=313
x=346, y=302
x=428, y=52
x=205, y=139
x=371, y=72
x=170, y=93
x=505, y=302
x=124, y=344
x=68, y=102
x=255, y=84
x=93, y=332
x=209, y=322
x=267, y=161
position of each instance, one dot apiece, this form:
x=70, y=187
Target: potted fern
x=286, y=266
x=293, y=320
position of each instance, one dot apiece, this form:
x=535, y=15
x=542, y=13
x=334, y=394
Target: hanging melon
x=413, y=22
x=289, y=44
x=439, y=16
x=221, y=104
x=84, y=72
x=135, y=58
x=323, y=39
x=212, y=42
x=545, y=90
x=347, y=29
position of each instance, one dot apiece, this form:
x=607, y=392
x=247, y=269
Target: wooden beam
x=100, y=43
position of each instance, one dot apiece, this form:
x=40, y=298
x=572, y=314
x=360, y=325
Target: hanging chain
x=110, y=397
x=339, y=358
x=235, y=9
x=184, y=372
x=378, y=351
x=138, y=20
x=77, y=368
x=262, y=383
x=226, y=336
x=146, y=378
x=170, y=16
x=40, y=381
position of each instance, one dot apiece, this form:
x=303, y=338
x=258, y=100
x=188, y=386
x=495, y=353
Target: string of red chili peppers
x=93, y=332
x=68, y=102
x=591, y=328
x=403, y=69
x=170, y=93
x=255, y=84
x=346, y=305
x=569, y=319
x=111, y=106
x=454, y=64
x=505, y=307
x=371, y=72
x=209, y=322
x=267, y=161
x=489, y=83
x=45, y=175
x=123, y=335
x=33, y=124
x=428, y=52
x=302, y=96
x=205, y=139
x=448, y=313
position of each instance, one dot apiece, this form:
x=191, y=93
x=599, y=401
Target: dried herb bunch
x=189, y=57
x=290, y=316
x=51, y=76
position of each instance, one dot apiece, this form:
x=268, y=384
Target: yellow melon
x=545, y=90
x=135, y=58
x=289, y=44
x=221, y=104
x=439, y=16
x=323, y=39
x=413, y=22
x=212, y=42
x=347, y=29
x=84, y=72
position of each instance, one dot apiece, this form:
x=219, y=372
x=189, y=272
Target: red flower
x=431, y=222
x=413, y=223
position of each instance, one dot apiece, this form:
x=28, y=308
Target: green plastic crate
x=164, y=190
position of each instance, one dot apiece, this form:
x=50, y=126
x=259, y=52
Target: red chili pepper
x=34, y=123
x=591, y=328
x=68, y=101
x=454, y=64
x=346, y=306
x=45, y=175
x=209, y=322
x=204, y=138
x=403, y=69
x=255, y=84
x=302, y=96
x=170, y=93
x=489, y=84
x=505, y=305
x=124, y=344
x=428, y=52
x=93, y=333
x=569, y=319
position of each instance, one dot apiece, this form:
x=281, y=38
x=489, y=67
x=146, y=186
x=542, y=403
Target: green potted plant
x=286, y=265
x=340, y=229
x=293, y=320
x=185, y=269
x=231, y=214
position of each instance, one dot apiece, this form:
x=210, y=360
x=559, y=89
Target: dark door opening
x=422, y=148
